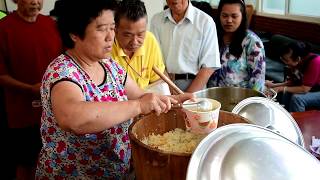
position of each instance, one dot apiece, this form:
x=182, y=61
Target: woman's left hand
x=175, y=99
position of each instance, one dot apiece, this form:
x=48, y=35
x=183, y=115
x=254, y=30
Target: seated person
x=189, y=44
x=135, y=48
x=301, y=89
x=242, y=52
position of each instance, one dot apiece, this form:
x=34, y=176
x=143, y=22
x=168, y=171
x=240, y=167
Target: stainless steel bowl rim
x=282, y=122
x=239, y=88
x=264, y=93
x=228, y=96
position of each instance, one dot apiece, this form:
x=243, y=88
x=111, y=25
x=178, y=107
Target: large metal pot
x=229, y=97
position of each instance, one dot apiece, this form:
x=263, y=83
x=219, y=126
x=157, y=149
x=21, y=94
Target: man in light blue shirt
x=189, y=44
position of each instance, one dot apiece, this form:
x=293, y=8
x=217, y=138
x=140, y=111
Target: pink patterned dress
x=65, y=155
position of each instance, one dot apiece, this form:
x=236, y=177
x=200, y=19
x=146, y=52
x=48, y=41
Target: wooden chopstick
x=167, y=80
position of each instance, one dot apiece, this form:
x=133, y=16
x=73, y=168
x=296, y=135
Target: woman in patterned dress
x=301, y=90
x=88, y=99
x=242, y=54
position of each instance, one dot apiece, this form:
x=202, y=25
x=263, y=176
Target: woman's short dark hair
x=130, y=9
x=239, y=34
x=298, y=49
x=73, y=16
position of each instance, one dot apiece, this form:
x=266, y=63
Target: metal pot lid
x=267, y=113
x=246, y=151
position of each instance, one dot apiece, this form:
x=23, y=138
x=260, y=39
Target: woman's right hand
x=153, y=102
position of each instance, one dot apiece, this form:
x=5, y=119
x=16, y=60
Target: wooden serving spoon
x=167, y=80
x=202, y=104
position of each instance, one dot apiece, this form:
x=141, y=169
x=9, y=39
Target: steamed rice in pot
x=177, y=141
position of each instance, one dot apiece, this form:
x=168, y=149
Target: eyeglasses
x=286, y=60
x=282, y=59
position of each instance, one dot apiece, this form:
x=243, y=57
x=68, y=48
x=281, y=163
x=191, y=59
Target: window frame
x=286, y=15
x=258, y=5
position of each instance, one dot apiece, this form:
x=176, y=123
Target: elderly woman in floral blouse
x=88, y=99
x=242, y=53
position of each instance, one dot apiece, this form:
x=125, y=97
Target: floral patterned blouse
x=248, y=71
x=66, y=155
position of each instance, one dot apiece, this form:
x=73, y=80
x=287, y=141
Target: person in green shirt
x=2, y=14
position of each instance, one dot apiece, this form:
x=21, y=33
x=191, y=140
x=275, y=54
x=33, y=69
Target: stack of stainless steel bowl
x=250, y=152
x=267, y=113
x=270, y=147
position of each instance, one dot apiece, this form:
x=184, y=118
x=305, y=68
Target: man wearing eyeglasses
x=189, y=44
x=135, y=48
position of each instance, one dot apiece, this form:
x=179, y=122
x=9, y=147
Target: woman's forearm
x=89, y=117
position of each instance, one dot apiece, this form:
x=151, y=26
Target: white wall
x=2, y=6
x=153, y=6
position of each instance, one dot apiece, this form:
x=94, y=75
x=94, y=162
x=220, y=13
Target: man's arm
x=11, y=83
x=201, y=80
